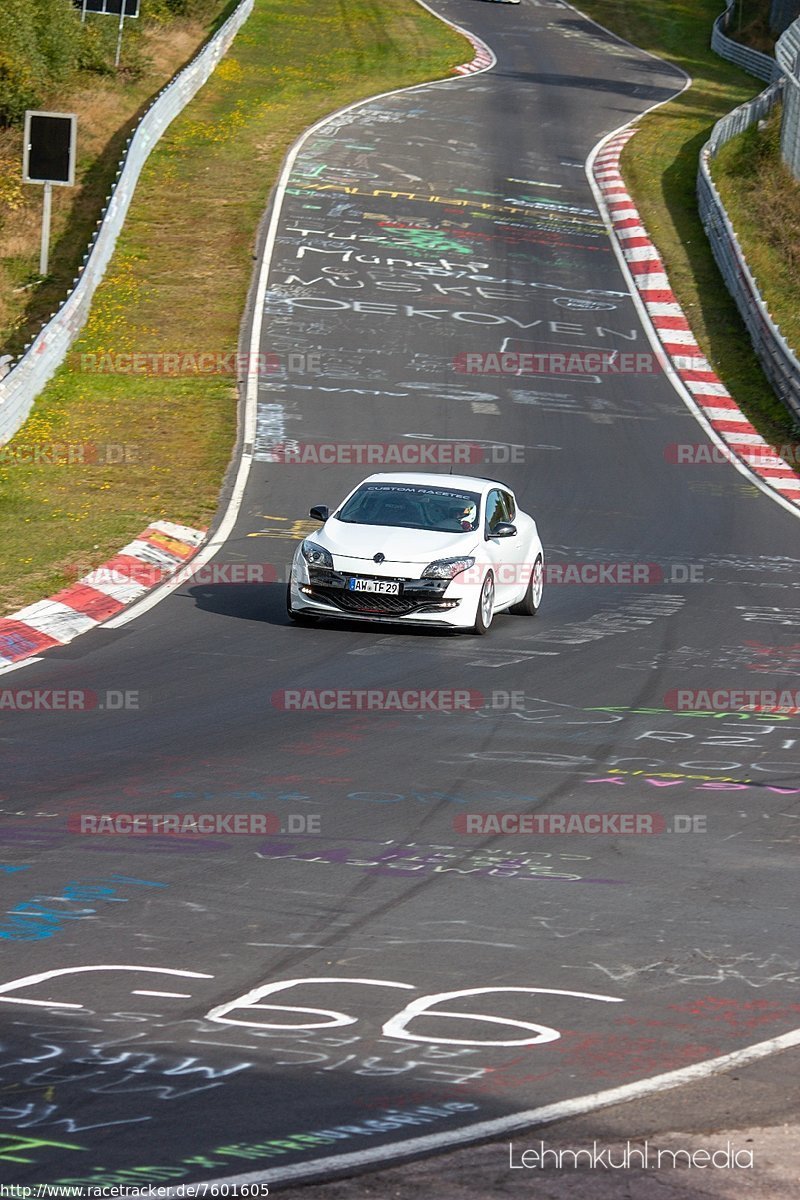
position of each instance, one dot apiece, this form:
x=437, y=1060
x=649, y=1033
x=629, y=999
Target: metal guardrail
x=778, y=360
x=787, y=53
x=21, y=385
x=741, y=118
x=761, y=65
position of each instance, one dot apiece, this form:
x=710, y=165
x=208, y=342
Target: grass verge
x=763, y=201
x=178, y=282
x=660, y=168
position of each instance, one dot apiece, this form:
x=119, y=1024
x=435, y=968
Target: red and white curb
x=105, y=591
x=484, y=58
x=693, y=369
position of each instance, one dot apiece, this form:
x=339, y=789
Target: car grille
x=367, y=602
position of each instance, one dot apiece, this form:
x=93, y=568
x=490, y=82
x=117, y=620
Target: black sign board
x=49, y=154
x=112, y=7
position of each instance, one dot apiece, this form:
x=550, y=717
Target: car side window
x=511, y=507
x=495, y=509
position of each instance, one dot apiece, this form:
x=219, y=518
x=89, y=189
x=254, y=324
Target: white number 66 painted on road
x=251, y=1003
x=396, y=1026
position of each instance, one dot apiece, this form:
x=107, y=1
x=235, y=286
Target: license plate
x=385, y=587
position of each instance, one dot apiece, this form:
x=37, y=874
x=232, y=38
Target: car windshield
x=412, y=506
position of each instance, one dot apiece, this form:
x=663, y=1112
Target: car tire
x=531, y=602
x=485, y=613
x=300, y=618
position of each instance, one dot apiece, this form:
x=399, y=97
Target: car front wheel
x=483, y=618
x=530, y=603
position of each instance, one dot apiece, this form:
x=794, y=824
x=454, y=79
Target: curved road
x=144, y=1037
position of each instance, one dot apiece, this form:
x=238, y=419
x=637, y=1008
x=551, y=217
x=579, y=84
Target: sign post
x=49, y=158
x=119, y=34
x=47, y=205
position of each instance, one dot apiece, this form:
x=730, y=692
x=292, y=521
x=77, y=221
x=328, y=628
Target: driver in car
x=461, y=516
x=468, y=517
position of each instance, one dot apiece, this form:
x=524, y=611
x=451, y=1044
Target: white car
x=421, y=549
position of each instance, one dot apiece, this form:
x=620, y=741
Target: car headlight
x=447, y=568
x=316, y=556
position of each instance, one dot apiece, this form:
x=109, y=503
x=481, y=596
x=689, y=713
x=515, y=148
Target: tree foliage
x=40, y=45
x=43, y=43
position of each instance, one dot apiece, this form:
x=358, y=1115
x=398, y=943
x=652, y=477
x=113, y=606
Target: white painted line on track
x=24, y=662
x=501, y=1126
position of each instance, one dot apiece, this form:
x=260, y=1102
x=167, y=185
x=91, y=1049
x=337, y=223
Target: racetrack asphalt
x=194, y=1008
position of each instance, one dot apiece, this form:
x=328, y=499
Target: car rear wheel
x=300, y=618
x=530, y=603
x=483, y=618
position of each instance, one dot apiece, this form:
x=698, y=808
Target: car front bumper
x=440, y=602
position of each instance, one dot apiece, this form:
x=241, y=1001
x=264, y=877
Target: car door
x=518, y=553
x=503, y=552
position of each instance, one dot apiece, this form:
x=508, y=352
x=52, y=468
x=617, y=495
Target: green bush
x=57, y=26
x=96, y=52
x=43, y=43
x=23, y=69
x=40, y=42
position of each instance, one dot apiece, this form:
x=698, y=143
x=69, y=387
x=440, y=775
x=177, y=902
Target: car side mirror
x=503, y=529
x=320, y=512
